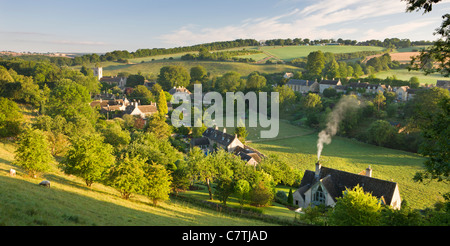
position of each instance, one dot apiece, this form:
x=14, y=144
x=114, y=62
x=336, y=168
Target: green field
x=70, y=202
x=404, y=74
x=213, y=67
x=354, y=156
x=288, y=53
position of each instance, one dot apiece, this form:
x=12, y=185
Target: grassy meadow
x=288, y=53
x=404, y=74
x=354, y=156
x=70, y=203
x=215, y=68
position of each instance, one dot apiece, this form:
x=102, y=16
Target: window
x=319, y=196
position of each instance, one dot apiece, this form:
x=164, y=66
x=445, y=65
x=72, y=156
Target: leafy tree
x=142, y=94
x=69, y=99
x=230, y=82
x=356, y=208
x=127, y=176
x=381, y=132
x=88, y=158
x=436, y=144
x=290, y=198
x=198, y=73
x=331, y=70
x=162, y=104
x=436, y=58
x=425, y=103
x=315, y=63
x=329, y=92
x=180, y=176
x=242, y=189
x=262, y=192
x=10, y=118
x=241, y=133
x=311, y=102
x=158, y=126
x=286, y=97
x=255, y=81
x=159, y=182
x=379, y=100
x=115, y=135
x=149, y=146
x=33, y=152
x=135, y=80
x=173, y=76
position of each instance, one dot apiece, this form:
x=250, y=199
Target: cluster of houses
x=113, y=107
x=320, y=187
x=403, y=93
x=213, y=139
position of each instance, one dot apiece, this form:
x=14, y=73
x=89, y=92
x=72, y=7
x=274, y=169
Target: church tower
x=98, y=72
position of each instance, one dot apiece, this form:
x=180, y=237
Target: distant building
x=324, y=185
x=98, y=72
x=303, y=86
x=324, y=84
x=213, y=139
x=444, y=84
x=115, y=80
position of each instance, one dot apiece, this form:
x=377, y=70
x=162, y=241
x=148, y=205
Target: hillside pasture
x=288, y=53
x=353, y=156
x=215, y=68
x=404, y=74
x=70, y=203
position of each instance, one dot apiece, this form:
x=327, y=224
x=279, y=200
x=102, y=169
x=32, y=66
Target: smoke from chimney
x=345, y=104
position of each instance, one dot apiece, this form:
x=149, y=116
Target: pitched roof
x=219, y=136
x=443, y=83
x=329, y=82
x=300, y=82
x=336, y=182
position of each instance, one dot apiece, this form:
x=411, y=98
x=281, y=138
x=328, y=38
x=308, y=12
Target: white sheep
x=12, y=172
x=45, y=183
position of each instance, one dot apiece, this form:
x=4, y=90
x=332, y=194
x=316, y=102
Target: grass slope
x=353, y=156
x=70, y=202
x=288, y=53
x=215, y=68
x=404, y=74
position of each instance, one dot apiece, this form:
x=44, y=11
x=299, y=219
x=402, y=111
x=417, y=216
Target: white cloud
x=323, y=19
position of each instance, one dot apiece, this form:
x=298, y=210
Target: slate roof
x=300, y=82
x=220, y=137
x=329, y=82
x=443, y=84
x=336, y=181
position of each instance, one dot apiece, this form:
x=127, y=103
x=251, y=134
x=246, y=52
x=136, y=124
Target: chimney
x=317, y=173
x=369, y=171
x=224, y=130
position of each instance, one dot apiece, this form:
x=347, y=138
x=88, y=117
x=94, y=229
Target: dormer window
x=319, y=196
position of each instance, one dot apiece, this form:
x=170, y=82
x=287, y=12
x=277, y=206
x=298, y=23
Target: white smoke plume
x=334, y=118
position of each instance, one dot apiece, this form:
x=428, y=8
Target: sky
x=98, y=26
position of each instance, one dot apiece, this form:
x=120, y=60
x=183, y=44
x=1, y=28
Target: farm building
x=324, y=84
x=324, y=185
x=303, y=86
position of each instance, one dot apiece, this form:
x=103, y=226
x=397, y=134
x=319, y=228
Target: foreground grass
x=69, y=202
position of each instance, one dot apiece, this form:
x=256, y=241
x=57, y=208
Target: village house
x=288, y=75
x=144, y=111
x=179, y=89
x=214, y=139
x=401, y=93
x=324, y=84
x=324, y=185
x=444, y=84
x=303, y=86
x=111, y=80
x=119, y=107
